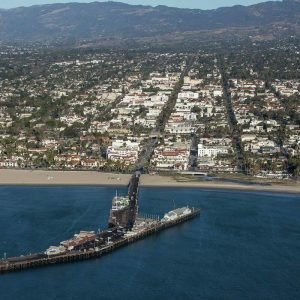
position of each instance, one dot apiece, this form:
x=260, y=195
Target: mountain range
x=105, y=20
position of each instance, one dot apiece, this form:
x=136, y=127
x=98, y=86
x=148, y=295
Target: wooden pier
x=41, y=259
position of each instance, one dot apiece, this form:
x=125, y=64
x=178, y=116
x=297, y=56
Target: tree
x=72, y=131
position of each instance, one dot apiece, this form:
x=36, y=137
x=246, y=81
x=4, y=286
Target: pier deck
x=41, y=259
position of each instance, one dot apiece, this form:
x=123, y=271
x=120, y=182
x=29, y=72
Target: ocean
x=245, y=245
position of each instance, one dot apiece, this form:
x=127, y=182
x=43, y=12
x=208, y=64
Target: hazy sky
x=203, y=4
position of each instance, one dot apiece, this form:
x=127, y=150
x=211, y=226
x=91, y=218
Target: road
x=150, y=145
x=236, y=135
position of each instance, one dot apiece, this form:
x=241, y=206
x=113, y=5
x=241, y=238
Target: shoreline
x=169, y=182
x=10, y=177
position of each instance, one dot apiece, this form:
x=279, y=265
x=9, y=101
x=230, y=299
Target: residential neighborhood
x=101, y=111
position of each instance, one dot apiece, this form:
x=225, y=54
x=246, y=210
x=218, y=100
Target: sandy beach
x=38, y=177
x=163, y=181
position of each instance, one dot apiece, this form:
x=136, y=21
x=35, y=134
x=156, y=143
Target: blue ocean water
x=245, y=245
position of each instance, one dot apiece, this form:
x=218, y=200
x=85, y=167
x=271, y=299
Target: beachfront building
x=9, y=163
x=122, y=150
x=171, y=156
x=211, y=147
x=211, y=151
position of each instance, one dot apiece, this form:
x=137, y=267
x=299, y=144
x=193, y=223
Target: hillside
x=118, y=20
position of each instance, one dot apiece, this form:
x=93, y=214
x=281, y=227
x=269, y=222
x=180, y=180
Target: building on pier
x=124, y=209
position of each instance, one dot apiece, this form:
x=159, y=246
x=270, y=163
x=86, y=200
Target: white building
x=211, y=151
x=9, y=164
x=123, y=150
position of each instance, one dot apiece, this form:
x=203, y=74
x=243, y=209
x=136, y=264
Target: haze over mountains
x=102, y=20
